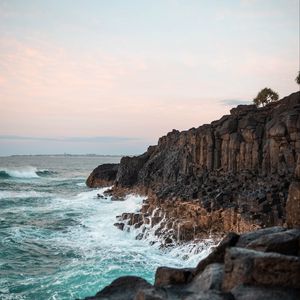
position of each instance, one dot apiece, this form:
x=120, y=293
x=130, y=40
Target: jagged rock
x=249, y=267
x=123, y=288
x=234, y=174
x=103, y=175
x=242, y=292
x=165, y=276
x=119, y=225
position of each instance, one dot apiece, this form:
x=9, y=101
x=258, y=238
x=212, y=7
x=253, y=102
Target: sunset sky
x=110, y=77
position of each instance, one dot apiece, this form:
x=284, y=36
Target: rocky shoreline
x=238, y=174
x=259, y=265
x=235, y=174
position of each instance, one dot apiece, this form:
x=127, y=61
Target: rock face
x=234, y=270
x=234, y=174
x=103, y=175
x=251, y=141
x=293, y=202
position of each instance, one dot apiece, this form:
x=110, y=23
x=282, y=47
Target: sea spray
x=57, y=239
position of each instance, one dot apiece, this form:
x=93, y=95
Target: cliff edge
x=231, y=175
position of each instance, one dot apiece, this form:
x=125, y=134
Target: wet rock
x=119, y=225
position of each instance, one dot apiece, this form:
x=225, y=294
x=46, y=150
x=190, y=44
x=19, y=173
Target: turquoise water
x=57, y=239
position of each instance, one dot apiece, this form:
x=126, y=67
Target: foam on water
x=59, y=242
x=22, y=194
x=24, y=172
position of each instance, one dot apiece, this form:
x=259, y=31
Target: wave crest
x=24, y=172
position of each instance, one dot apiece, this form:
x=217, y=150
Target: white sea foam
x=24, y=172
x=102, y=215
x=22, y=194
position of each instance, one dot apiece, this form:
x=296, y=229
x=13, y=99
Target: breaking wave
x=24, y=172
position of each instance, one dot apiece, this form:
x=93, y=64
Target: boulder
x=250, y=267
x=104, y=175
x=165, y=276
x=285, y=242
x=210, y=279
x=123, y=288
x=248, y=237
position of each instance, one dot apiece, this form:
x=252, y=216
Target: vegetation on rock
x=297, y=79
x=265, y=96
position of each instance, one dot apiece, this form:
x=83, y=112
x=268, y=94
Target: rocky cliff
x=233, y=174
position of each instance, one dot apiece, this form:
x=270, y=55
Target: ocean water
x=57, y=239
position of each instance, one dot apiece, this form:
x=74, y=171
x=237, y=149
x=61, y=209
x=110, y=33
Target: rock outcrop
x=234, y=174
x=258, y=265
x=103, y=175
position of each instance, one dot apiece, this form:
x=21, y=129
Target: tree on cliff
x=297, y=79
x=265, y=96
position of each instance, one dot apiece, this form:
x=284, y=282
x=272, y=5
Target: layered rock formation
x=231, y=175
x=258, y=265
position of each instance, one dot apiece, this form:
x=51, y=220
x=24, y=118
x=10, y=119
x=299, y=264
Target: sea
x=58, y=239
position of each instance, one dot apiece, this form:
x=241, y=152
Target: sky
x=111, y=77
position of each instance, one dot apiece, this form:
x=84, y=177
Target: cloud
x=234, y=102
x=94, y=139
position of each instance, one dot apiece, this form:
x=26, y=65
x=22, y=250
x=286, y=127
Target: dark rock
x=119, y=225
x=210, y=278
x=293, y=201
x=247, y=238
x=123, y=288
x=243, y=273
x=151, y=294
x=103, y=175
x=263, y=293
x=285, y=242
x=240, y=166
x=243, y=266
x=217, y=256
x=165, y=276
x=207, y=295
